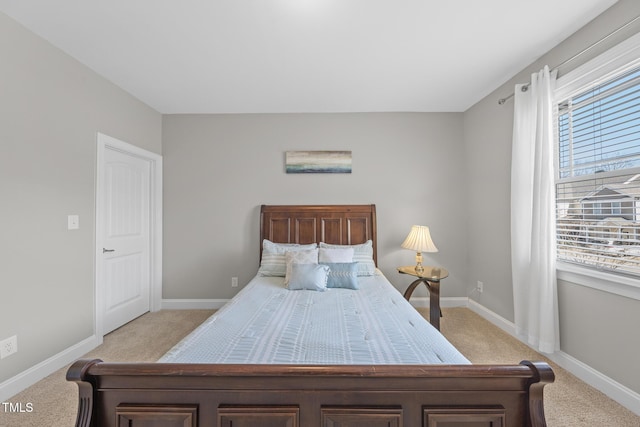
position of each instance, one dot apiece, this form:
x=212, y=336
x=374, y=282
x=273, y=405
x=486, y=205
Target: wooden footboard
x=156, y=394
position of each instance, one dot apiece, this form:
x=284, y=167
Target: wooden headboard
x=333, y=224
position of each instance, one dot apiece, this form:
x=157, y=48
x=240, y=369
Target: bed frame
x=161, y=394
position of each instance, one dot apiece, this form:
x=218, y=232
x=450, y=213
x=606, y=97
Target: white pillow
x=307, y=256
x=362, y=254
x=273, y=262
x=336, y=255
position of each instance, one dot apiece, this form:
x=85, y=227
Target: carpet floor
x=569, y=402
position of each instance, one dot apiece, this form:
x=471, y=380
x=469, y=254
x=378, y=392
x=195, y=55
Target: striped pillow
x=273, y=262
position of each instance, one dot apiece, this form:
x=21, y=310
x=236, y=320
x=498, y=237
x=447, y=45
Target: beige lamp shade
x=419, y=240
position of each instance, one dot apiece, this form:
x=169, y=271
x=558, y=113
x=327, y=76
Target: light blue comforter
x=269, y=324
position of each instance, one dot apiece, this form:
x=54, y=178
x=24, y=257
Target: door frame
x=106, y=142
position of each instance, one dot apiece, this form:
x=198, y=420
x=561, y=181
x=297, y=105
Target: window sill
x=618, y=285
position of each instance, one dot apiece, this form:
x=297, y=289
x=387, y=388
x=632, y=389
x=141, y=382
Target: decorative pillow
x=309, y=276
x=307, y=256
x=273, y=261
x=336, y=255
x=362, y=254
x=342, y=275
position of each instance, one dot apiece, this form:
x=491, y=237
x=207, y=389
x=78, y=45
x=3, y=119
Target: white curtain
x=533, y=250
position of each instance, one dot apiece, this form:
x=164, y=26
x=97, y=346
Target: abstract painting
x=318, y=161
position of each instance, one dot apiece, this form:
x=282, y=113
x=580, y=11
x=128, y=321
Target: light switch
x=73, y=222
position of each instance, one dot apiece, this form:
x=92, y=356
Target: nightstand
x=431, y=278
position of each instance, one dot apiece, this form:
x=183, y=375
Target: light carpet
x=569, y=402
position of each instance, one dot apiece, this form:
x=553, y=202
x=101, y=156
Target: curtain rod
x=583, y=51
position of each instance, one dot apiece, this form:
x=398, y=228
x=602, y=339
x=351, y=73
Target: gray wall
x=488, y=131
x=218, y=169
x=601, y=330
x=51, y=107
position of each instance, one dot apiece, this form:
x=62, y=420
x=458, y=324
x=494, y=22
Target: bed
x=394, y=372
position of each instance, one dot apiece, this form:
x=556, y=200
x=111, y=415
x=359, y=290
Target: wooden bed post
x=543, y=375
x=78, y=374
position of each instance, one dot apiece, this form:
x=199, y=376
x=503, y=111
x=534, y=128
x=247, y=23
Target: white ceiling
x=251, y=56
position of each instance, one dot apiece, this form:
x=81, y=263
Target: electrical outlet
x=234, y=282
x=73, y=222
x=480, y=286
x=8, y=346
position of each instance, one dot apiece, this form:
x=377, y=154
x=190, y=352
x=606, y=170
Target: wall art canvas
x=318, y=161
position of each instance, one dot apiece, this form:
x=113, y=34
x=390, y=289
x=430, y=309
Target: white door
x=126, y=260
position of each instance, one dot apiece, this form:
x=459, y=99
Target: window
x=598, y=174
x=616, y=208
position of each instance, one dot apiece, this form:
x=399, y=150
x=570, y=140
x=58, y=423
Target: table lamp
x=419, y=240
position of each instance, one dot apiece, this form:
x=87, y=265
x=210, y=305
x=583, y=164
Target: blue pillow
x=342, y=275
x=309, y=276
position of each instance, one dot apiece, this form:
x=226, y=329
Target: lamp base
x=419, y=268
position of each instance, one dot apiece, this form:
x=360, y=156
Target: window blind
x=598, y=179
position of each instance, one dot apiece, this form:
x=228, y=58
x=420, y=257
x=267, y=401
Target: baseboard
x=499, y=321
x=193, y=304
x=616, y=391
x=596, y=379
x=25, y=379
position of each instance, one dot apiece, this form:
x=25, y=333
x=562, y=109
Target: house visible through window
x=598, y=175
